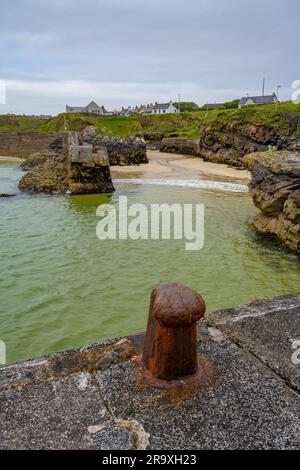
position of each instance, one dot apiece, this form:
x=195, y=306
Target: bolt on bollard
x=170, y=348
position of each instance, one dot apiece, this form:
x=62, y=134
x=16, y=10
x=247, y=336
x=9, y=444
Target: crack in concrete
x=140, y=436
x=244, y=348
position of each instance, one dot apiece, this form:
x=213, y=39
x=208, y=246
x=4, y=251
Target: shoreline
x=166, y=167
x=169, y=166
x=12, y=159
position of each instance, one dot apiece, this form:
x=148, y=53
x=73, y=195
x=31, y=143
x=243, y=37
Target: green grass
x=118, y=126
x=189, y=124
x=12, y=123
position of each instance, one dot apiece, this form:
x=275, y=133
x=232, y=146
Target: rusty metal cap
x=176, y=305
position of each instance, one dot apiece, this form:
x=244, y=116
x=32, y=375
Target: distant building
x=157, y=108
x=210, y=106
x=255, y=100
x=144, y=109
x=124, y=111
x=91, y=108
x=164, y=108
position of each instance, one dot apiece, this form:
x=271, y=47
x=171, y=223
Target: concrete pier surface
x=96, y=397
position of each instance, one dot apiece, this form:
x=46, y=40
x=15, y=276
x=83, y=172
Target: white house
x=164, y=108
x=254, y=100
x=91, y=108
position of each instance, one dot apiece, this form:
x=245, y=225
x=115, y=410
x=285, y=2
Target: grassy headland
x=156, y=126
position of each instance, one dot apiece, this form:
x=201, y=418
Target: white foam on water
x=197, y=184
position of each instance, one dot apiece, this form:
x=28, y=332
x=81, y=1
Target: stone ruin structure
x=88, y=167
x=68, y=166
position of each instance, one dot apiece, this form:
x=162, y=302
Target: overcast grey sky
x=121, y=52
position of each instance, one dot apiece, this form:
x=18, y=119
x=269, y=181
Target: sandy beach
x=12, y=159
x=172, y=166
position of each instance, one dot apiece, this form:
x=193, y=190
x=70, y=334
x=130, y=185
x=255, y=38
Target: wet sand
x=12, y=159
x=171, y=166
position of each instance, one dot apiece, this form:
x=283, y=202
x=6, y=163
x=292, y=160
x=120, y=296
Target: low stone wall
x=178, y=145
x=23, y=144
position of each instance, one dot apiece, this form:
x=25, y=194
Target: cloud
x=50, y=97
x=133, y=49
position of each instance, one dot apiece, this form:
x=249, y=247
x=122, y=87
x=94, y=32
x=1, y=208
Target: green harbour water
x=61, y=287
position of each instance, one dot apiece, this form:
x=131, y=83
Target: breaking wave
x=197, y=184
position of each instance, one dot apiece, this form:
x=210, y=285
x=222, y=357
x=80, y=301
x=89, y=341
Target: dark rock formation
x=36, y=159
x=275, y=188
x=124, y=152
x=88, y=170
x=230, y=143
x=48, y=173
x=131, y=151
x=76, y=168
x=177, y=145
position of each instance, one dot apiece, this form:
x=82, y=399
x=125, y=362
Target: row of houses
x=164, y=108
x=156, y=108
x=94, y=108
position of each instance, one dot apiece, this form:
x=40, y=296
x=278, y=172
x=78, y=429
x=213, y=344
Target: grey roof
x=259, y=99
x=82, y=109
x=161, y=105
x=92, y=103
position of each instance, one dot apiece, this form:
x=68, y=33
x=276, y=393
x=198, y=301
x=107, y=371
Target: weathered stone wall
x=23, y=144
x=178, y=145
x=275, y=188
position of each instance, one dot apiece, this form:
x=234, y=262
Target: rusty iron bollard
x=170, y=348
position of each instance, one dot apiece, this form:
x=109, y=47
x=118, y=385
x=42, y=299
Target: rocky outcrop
x=122, y=152
x=80, y=169
x=48, y=173
x=177, y=145
x=275, y=188
x=231, y=142
x=88, y=170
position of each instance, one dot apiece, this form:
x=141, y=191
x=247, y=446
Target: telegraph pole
x=277, y=94
x=263, y=87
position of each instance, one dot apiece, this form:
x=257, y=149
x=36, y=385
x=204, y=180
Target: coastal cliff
x=233, y=141
x=220, y=136
x=230, y=142
x=275, y=188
